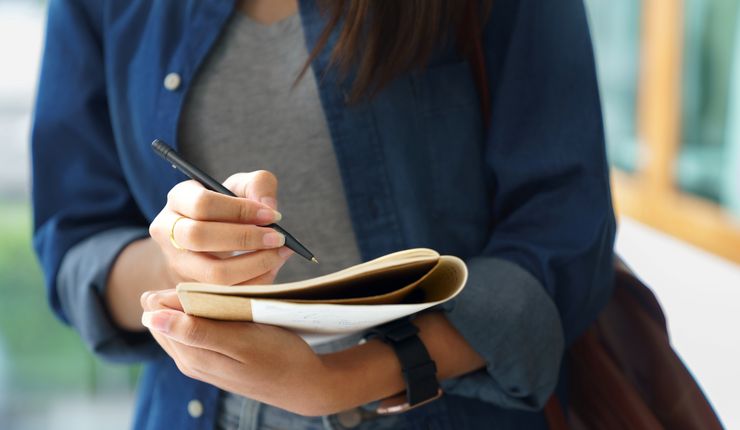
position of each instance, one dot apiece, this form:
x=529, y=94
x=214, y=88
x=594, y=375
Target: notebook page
x=332, y=319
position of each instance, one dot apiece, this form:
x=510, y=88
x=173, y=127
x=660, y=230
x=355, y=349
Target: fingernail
x=269, y=201
x=273, y=240
x=157, y=321
x=268, y=216
x=285, y=252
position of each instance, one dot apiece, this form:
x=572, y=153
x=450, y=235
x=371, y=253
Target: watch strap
x=418, y=369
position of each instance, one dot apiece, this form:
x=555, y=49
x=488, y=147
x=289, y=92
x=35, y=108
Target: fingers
x=264, y=279
x=202, y=364
x=212, y=236
x=161, y=299
x=173, y=330
x=199, y=363
x=180, y=355
x=192, y=200
x=260, y=186
x=227, y=271
x=208, y=236
x=198, y=228
x=168, y=299
x=219, y=336
x=215, y=237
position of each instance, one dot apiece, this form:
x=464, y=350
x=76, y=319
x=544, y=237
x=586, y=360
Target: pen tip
x=314, y=260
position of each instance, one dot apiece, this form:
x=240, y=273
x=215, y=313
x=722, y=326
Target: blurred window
x=709, y=158
x=47, y=377
x=615, y=29
x=669, y=74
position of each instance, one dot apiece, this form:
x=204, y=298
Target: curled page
x=348, y=301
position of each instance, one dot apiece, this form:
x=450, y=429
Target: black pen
x=172, y=157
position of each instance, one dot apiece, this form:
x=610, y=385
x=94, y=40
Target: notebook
x=343, y=302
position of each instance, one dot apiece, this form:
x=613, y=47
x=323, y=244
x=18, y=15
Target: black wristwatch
x=419, y=370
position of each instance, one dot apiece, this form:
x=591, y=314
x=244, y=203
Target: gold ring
x=172, y=234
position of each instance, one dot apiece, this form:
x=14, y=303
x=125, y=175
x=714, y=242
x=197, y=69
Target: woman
x=380, y=145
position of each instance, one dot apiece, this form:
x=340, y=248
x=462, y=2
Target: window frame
x=651, y=194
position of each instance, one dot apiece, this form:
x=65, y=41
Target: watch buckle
x=398, y=404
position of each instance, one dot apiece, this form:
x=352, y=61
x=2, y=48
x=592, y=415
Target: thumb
x=219, y=336
x=260, y=185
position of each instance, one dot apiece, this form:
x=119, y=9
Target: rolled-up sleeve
x=84, y=212
x=545, y=272
x=81, y=282
x=520, y=335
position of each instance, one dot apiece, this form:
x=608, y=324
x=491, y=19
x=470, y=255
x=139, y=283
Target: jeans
x=447, y=413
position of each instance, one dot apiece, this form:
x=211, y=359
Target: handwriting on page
x=327, y=318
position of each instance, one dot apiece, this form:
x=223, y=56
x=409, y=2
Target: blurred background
x=670, y=82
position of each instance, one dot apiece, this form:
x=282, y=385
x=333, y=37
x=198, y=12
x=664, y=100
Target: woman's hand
x=277, y=367
x=209, y=227
x=259, y=361
x=262, y=362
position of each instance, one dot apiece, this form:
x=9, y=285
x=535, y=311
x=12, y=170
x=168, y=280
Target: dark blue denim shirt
x=417, y=165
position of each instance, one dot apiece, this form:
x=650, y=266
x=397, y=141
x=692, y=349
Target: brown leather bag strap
x=554, y=414
x=469, y=37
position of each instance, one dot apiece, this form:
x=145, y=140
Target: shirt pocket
x=449, y=115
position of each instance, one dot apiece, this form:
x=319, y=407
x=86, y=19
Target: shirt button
x=172, y=81
x=195, y=408
x=350, y=418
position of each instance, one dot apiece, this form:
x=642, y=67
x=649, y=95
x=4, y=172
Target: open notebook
x=339, y=303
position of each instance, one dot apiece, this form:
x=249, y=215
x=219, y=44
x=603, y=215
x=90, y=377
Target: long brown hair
x=382, y=39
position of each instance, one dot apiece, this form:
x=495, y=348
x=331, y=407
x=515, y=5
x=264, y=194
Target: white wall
x=700, y=295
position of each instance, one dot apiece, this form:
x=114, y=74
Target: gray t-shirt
x=242, y=114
